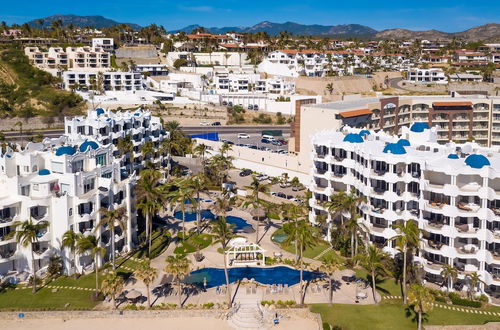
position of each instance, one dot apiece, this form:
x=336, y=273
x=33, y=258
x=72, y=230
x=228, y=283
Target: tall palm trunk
x=180, y=292
x=183, y=222
x=33, y=290
x=198, y=213
x=227, y=278
x=113, y=247
x=352, y=244
x=113, y=300
x=149, y=296
x=96, y=275
x=419, y=320
x=302, y=297
x=404, y=275
x=373, y=286
x=147, y=232
x=257, y=231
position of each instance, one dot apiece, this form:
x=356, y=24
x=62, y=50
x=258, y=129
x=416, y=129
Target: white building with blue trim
x=452, y=190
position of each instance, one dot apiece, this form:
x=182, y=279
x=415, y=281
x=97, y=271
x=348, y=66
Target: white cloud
x=197, y=8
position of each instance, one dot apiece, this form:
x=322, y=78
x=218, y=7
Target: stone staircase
x=247, y=316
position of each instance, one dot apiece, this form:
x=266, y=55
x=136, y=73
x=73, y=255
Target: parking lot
x=255, y=140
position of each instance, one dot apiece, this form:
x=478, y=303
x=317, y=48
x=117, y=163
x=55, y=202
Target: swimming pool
x=237, y=222
x=269, y=275
x=191, y=216
x=279, y=237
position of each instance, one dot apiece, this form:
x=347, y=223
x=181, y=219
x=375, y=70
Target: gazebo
x=245, y=254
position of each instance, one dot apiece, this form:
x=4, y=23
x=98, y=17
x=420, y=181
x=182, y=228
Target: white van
x=268, y=137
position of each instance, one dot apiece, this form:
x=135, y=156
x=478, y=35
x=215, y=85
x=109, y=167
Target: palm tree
x=69, y=240
x=26, y=235
x=112, y=284
x=329, y=88
x=182, y=196
x=201, y=150
x=421, y=299
x=373, y=261
x=198, y=185
x=125, y=146
x=450, y=274
x=407, y=239
x=296, y=213
x=221, y=165
x=111, y=218
x=225, y=148
x=147, y=149
x=253, y=200
x=179, y=266
x=342, y=202
x=306, y=236
x=223, y=233
x=147, y=275
x=150, y=198
x=474, y=280
x=330, y=265
x=90, y=244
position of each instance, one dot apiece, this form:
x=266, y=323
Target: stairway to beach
x=248, y=316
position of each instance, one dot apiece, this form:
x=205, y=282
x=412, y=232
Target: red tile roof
x=355, y=113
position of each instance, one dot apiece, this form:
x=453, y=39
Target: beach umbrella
x=133, y=294
x=347, y=272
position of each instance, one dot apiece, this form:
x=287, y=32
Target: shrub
x=208, y=305
x=456, y=299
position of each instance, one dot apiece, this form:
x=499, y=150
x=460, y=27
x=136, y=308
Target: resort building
x=55, y=58
x=106, y=44
x=243, y=83
x=451, y=190
x=429, y=76
x=84, y=58
x=64, y=183
x=105, y=81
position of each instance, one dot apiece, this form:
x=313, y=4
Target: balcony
x=468, y=207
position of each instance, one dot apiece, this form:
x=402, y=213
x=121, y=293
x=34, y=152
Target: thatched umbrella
x=133, y=294
x=347, y=272
x=258, y=213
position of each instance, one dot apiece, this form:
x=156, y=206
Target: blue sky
x=445, y=15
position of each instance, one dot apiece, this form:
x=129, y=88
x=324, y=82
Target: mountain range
x=488, y=32
x=97, y=22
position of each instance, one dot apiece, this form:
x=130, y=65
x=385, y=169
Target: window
x=100, y=159
x=34, y=168
x=26, y=169
x=70, y=212
x=77, y=165
x=106, y=175
x=35, y=187
x=80, y=129
x=57, y=167
x=69, y=129
x=88, y=185
x=25, y=190
x=65, y=188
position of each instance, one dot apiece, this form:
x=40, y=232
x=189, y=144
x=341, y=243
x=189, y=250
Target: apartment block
x=107, y=81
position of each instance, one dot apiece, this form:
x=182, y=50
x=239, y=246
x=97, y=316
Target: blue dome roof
x=419, y=127
x=65, y=150
x=43, y=171
x=395, y=148
x=477, y=161
x=404, y=142
x=453, y=156
x=137, y=114
x=99, y=111
x=364, y=132
x=85, y=145
x=353, y=138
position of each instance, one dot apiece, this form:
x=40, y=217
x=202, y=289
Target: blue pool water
x=188, y=201
x=270, y=275
x=239, y=223
x=191, y=216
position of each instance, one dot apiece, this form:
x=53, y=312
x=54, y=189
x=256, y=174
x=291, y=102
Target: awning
x=355, y=113
x=452, y=104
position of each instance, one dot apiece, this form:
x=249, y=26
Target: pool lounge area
x=237, y=222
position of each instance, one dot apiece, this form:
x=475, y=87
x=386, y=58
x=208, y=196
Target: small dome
x=419, y=127
x=85, y=145
x=44, y=171
x=453, y=156
x=99, y=111
x=65, y=150
x=404, y=142
x=353, y=138
x=364, y=132
x=137, y=114
x=477, y=161
x=394, y=148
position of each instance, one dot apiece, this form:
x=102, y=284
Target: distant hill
x=489, y=31
x=295, y=28
x=82, y=21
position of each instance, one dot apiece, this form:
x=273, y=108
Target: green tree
x=69, y=241
x=407, y=240
x=373, y=260
x=111, y=219
x=306, y=236
x=112, y=284
x=474, y=280
x=450, y=274
x=181, y=195
x=26, y=235
x=198, y=185
x=253, y=200
x=150, y=197
x=420, y=299
x=178, y=266
x=147, y=274
x=90, y=244
x=223, y=233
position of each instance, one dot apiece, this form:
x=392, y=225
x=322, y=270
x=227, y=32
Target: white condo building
x=107, y=81
x=65, y=181
x=451, y=190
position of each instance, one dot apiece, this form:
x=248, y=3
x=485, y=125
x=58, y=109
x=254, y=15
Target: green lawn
x=390, y=316
x=385, y=286
x=45, y=299
x=193, y=243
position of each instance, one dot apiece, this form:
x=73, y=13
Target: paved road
x=53, y=133
x=393, y=83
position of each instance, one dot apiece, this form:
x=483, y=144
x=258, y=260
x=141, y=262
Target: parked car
x=229, y=104
x=262, y=177
x=245, y=172
x=274, y=193
x=256, y=107
x=224, y=103
x=349, y=279
x=283, y=152
x=283, y=141
x=253, y=147
x=285, y=184
x=229, y=142
x=216, y=123
x=281, y=195
x=298, y=188
x=250, y=107
x=243, y=136
x=265, y=141
x=276, y=143
x=204, y=123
